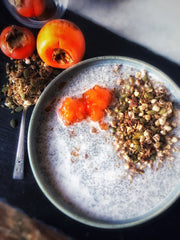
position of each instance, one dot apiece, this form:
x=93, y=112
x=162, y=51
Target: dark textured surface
x=27, y=196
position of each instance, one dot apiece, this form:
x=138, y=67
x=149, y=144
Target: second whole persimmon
x=60, y=43
x=17, y=42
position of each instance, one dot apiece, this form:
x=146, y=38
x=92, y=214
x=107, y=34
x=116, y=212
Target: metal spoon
x=18, y=172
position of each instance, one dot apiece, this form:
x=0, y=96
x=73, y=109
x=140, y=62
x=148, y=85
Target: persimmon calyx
x=15, y=38
x=16, y=3
x=61, y=56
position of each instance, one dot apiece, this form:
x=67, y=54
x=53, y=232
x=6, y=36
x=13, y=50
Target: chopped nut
x=138, y=75
x=142, y=139
x=144, y=75
x=162, y=121
x=174, y=124
x=167, y=128
x=157, y=123
x=147, y=117
x=153, y=101
x=144, y=106
x=136, y=93
x=174, y=140
x=147, y=134
x=156, y=138
x=157, y=145
x=156, y=108
x=163, y=132
x=116, y=68
x=139, y=127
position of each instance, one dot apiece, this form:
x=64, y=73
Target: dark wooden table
x=27, y=196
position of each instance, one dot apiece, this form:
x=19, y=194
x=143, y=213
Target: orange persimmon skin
x=31, y=8
x=64, y=35
x=92, y=104
x=26, y=44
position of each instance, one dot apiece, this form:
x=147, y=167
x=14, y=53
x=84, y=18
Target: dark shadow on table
x=27, y=196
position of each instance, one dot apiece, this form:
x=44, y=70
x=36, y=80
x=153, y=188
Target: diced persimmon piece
x=95, y=113
x=97, y=100
x=92, y=104
x=73, y=110
x=98, y=96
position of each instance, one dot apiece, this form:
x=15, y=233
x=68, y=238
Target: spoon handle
x=18, y=172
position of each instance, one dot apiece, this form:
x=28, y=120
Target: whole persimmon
x=17, y=42
x=29, y=8
x=60, y=43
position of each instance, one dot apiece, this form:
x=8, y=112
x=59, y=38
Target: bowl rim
x=132, y=222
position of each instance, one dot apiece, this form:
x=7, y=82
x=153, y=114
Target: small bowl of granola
x=98, y=175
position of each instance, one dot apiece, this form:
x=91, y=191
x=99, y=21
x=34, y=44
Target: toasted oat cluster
x=27, y=79
x=142, y=118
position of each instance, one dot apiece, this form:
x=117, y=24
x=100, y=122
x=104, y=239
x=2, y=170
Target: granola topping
x=142, y=119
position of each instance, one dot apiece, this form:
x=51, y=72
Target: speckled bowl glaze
x=77, y=168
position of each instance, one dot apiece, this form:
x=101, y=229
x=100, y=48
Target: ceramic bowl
x=76, y=168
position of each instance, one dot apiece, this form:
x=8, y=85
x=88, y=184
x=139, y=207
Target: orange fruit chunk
x=97, y=100
x=73, y=110
x=92, y=104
